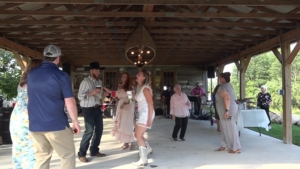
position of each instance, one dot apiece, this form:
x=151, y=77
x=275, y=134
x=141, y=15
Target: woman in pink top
x=180, y=106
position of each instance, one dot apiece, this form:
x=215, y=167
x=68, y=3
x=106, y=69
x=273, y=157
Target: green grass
x=276, y=132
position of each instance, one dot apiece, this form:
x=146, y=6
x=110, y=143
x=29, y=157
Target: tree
x=10, y=74
x=265, y=69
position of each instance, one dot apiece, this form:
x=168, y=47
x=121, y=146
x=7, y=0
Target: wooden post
x=286, y=97
x=19, y=60
x=242, y=67
x=219, y=70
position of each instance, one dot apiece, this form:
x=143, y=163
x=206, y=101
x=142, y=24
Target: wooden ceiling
x=186, y=32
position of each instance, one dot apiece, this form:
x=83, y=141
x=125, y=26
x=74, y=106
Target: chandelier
x=140, y=48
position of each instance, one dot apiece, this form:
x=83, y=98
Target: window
x=111, y=80
x=168, y=79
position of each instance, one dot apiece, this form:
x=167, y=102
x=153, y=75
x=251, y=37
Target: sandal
x=131, y=146
x=125, y=146
x=235, y=152
x=221, y=149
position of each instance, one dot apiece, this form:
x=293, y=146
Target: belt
x=96, y=106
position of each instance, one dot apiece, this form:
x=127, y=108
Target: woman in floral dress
x=22, y=148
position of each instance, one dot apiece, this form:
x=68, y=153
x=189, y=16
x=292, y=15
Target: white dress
x=123, y=129
x=143, y=108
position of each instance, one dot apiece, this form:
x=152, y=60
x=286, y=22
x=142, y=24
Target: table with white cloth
x=252, y=118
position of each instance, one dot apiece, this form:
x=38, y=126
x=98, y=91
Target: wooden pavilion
x=189, y=36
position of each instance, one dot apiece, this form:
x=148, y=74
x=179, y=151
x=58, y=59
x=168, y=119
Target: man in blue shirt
x=49, y=91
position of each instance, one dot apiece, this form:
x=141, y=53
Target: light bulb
x=148, y=52
x=145, y=62
x=135, y=63
x=132, y=53
x=138, y=61
x=142, y=51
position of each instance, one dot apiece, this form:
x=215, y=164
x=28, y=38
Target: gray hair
x=177, y=85
x=264, y=87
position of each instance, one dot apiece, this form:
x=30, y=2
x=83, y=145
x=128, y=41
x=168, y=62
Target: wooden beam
x=148, y=24
x=123, y=42
x=293, y=54
x=12, y=46
x=111, y=46
x=19, y=60
x=286, y=97
x=148, y=8
x=277, y=54
x=25, y=60
x=7, y=6
x=129, y=31
x=107, y=14
x=220, y=69
x=162, y=37
x=164, y=2
x=238, y=65
x=289, y=37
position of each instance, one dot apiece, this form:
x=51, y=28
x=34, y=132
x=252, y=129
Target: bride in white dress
x=145, y=116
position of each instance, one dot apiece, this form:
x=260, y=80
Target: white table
x=252, y=118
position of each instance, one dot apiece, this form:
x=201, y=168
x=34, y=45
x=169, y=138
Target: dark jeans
x=180, y=123
x=268, y=113
x=168, y=109
x=93, y=121
x=197, y=107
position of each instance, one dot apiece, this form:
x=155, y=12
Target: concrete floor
x=197, y=152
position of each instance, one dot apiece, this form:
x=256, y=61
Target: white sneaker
x=270, y=127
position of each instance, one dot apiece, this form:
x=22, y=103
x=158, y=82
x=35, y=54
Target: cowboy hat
x=94, y=65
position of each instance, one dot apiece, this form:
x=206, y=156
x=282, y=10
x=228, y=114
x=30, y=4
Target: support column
x=287, y=59
x=286, y=97
x=242, y=67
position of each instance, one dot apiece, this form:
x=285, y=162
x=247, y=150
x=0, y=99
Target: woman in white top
x=145, y=116
x=180, y=105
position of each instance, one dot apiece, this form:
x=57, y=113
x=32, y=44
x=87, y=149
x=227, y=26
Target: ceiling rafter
x=163, y=2
x=8, y=5
x=202, y=32
x=163, y=37
x=224, y=23
x=153, y=14
x=164, y=31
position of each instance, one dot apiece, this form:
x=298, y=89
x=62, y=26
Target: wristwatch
x=226, y=110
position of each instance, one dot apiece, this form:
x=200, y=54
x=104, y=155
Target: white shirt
x=87, y=85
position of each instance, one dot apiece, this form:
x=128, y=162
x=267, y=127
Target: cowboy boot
x=143, y=161
x=149, y=148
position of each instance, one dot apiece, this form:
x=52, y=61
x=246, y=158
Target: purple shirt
x=198, y=91
x=179, y=108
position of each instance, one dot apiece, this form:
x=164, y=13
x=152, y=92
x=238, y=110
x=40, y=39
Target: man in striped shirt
x=90, y=96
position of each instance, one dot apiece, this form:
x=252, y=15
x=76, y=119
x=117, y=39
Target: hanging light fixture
x=140, y=48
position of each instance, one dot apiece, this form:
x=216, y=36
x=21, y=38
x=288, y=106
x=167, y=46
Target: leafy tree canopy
x=10, y=74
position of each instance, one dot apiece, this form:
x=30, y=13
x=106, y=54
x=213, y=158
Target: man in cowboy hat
x=49, y=91
x=90, y=96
